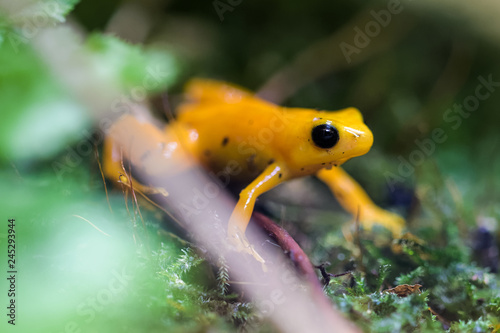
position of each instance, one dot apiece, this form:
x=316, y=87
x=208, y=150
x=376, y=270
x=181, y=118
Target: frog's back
x=231, y=128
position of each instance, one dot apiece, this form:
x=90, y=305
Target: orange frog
x=267, y=144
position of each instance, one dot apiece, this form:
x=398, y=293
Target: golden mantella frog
x=221, y=124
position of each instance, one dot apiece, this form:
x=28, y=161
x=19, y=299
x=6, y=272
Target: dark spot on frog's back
x=271, y=161
x=224, y=141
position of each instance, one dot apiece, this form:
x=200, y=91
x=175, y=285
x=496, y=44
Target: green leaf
x=41, y=118
x=136, y=70
x=38, y=117
x=32, y=15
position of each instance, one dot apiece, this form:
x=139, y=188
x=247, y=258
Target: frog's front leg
x=273, y=175
x=355, y=200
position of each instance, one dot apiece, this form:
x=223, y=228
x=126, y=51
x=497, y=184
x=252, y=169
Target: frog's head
x=329, y=138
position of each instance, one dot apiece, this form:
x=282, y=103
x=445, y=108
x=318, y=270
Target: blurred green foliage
x=33, y=103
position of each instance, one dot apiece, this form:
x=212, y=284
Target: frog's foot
x=375, y=215
x=241, y=243
x=155, y=190
x=144, y=189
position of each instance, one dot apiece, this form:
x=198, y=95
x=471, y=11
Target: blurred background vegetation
x=65, y=63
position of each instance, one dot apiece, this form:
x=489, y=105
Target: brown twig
x=289, y=245
x=328, y=276
x=302, y=262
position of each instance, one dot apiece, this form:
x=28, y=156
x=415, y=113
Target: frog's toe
x=394, y=223
x=241, y=244
x=389, y=220
x=159, y=190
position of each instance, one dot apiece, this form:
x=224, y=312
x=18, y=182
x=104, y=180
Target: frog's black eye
x=325, y=136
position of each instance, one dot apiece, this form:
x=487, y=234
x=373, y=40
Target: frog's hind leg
x=114, y=170
x=355, y=200
x=149, y=150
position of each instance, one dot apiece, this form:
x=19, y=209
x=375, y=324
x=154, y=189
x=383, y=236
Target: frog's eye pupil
x=325, y=136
